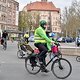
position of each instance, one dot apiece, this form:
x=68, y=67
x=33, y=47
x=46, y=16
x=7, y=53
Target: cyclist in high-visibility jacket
x=26, y=36
x=41, y=40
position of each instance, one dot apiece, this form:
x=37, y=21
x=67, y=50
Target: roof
x=14, y=31
x=41, y=6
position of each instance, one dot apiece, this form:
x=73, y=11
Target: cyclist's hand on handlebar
x=52, y=42
x=58, y=44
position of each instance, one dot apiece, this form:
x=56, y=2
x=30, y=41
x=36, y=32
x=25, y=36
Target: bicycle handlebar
x=58, y=44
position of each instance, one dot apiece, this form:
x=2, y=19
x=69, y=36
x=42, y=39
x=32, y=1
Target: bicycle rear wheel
x=61, y=68
x=31, y=69
x=4, y=45
x=78, y=58
x=20, y=54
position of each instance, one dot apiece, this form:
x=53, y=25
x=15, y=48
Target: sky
x=58, y=3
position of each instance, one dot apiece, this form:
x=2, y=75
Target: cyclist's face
x=45, y=26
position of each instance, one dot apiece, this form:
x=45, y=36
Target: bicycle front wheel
x=78, y=58
x=31, y=69
x=61, y=68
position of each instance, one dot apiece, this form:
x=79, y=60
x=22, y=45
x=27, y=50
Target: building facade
x=47, y=11
x=8, y=15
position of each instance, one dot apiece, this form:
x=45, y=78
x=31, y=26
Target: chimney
x=43, y=0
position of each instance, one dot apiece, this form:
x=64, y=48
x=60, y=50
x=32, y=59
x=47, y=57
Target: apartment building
x=47, y=11
x=8, y=15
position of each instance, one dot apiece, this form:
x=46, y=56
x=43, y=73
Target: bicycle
x=5, y=45
x=78, y=58
x=23, y=47
x=61, y=67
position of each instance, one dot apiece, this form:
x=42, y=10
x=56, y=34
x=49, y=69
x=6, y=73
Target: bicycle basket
x=54, y=49
x=23, y=47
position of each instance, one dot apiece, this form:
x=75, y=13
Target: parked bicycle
x=78, y=58
x=60, y=67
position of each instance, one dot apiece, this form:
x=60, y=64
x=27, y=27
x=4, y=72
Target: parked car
x=31, y=39
x=78, y=41
x=61, y=39
x=69, y=39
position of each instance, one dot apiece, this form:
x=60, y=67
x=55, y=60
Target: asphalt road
x=12, y=68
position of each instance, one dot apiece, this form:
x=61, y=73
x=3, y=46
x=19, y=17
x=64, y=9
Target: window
x=3, y=27
x=0, y=7
x=56, y=23
x=2, y=17
x=4, y=1
x=3, y=8
x=55, y=29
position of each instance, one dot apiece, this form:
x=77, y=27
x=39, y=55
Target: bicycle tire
x=5, y=46
x=78, y=58
x=20, y=54
x=56, y=68
x=29, y=68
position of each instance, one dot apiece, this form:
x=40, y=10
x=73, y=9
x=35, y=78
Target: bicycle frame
x=57, y=56
x=52, y=60
x=49, y=62
x=57, y=63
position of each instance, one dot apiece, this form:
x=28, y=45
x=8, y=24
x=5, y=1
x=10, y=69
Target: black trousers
x=43, y=50
x=26, y=39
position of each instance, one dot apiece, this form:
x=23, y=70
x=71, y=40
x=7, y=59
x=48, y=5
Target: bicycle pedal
x=45, y=70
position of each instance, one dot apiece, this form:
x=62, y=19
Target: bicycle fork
x=60, y=66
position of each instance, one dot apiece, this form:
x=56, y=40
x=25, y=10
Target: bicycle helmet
x=52, y=34
x=42, y=23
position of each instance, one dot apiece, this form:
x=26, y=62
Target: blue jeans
x=5, y=42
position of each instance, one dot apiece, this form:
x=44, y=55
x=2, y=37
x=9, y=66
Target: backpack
x=2, y=41
x=33, y=60
x=23, y=47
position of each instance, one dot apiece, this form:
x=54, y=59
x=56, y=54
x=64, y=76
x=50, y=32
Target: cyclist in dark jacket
x=4, y=37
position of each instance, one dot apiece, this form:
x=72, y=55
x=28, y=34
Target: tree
x=22, y=21
x=28, y=20
x=71, y=19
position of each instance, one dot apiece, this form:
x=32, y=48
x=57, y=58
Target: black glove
x=57, y=44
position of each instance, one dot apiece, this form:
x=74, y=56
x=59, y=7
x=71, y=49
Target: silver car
x=31, y=39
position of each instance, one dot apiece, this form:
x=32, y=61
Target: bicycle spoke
x=31, y=68
x=61, y=68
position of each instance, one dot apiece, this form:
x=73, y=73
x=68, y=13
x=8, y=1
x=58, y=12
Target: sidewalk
x=66, y=49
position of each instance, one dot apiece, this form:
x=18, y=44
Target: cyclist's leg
x=27, y=40
x=5, y=43
x=43, y=50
